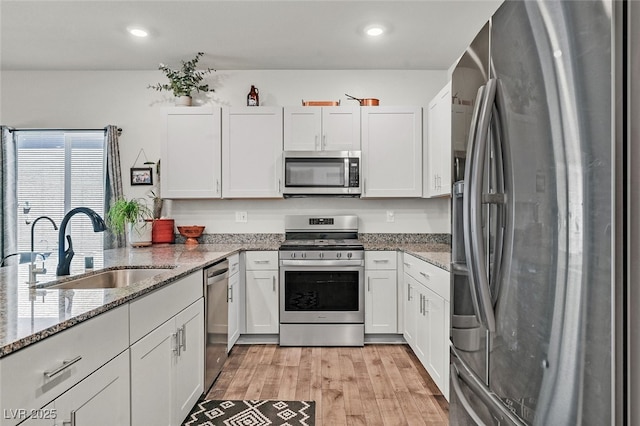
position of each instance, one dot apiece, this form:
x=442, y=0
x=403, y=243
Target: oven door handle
x=322, y=263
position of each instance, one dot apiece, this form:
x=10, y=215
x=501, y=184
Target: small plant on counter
x=186, y=80
x=124, y=212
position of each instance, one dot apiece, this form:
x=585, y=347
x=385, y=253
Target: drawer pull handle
x=274, y=283
x=65, y=364
x=261, y=261
x=183, y=338
x=427, y=276
x=408, y=265
x=381, y=260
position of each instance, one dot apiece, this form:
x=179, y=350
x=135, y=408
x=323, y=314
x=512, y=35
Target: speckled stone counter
x=432, y=248
x=29, y=314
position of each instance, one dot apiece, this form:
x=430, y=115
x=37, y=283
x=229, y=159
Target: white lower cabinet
x=39, y=374
x=102, y=399
x=167, y=369
x=381, y=292
x=426, y=310
x=261, y=292
x=233, y=299
x=410, y=310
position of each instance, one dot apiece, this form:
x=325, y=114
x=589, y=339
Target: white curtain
x=113, y=190
x=8, y=193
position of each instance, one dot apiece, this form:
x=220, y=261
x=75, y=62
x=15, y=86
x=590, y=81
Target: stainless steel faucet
x=65, y=256
x=33, y=269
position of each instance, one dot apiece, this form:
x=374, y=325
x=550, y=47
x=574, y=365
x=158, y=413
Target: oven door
x=321, y=292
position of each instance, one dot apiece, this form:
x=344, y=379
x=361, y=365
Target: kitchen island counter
x=28, y=314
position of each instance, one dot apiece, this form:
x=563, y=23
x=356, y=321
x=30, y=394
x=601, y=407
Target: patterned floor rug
x=252, y=413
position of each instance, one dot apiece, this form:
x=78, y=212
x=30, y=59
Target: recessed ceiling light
x=138, y=32
x=374, y=30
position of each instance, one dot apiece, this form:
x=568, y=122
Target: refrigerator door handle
x=455, y=382
x=466, y=217
x=472, y=210
x=501, y=414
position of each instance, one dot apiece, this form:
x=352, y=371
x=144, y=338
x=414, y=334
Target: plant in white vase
x=184, y=81
x=130, y=216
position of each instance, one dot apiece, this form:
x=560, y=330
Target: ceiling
x=237, y=34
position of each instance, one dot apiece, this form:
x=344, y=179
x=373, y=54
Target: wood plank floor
x=373, y=385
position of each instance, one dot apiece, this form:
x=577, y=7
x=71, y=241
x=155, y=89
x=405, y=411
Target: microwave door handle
x=346, y=172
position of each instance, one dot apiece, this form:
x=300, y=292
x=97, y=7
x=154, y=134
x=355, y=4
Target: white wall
x=93, y=99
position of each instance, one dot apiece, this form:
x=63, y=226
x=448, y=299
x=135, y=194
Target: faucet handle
x=70, y=244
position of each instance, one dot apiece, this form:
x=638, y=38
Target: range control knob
x=321, y=254
x=349, y=255
x=293, y=255
x=339, y=255
x=303, y=255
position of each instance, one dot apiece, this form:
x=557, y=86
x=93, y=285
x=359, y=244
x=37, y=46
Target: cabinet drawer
x=257, y=260
x=234, y=264
x=89, y=345
x=380, y=260
x=434, y=278
x=152, y=310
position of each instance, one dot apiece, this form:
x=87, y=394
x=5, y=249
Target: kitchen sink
x=113, y=278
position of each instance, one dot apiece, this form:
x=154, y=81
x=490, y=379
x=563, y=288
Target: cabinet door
x=251, y=152
x=410, y=310
x=102, y=399
x=302, y=128
x=234, y=310
x=340, y=129
x=152, y=360
x=438, y=174
x=392, y=151
x=191, y=162
x=189, y=376
x=423, y=329
x=381, y=313
x=262, y=302
x=434, y=311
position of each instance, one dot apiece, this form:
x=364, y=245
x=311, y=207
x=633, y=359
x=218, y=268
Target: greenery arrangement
x=184, y=81
x=126, y=211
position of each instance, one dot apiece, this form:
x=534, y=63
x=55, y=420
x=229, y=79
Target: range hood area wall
x=267, y=216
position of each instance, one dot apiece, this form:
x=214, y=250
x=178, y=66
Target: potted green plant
x=130, y=216
x=183, y=82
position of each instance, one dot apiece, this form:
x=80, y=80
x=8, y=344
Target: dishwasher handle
x=217, y=276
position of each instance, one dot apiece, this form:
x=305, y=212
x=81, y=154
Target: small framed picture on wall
x=141, y=176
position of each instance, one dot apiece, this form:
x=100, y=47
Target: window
x=58, y=171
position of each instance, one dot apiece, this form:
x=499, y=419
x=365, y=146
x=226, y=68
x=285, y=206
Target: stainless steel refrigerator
x=539, y=217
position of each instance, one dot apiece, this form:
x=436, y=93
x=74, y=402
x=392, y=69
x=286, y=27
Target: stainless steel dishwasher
x=216, y=279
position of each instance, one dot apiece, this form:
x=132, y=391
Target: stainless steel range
x=321, y=282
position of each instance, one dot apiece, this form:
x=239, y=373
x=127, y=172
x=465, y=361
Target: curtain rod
x=62, y=130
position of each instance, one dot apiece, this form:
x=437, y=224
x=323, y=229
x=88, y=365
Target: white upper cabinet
x=191, y=153
x=251, y=152
x=437, y=176
x=392, y=151
x=322, y=128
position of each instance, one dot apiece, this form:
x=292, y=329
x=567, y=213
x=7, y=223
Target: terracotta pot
x=163, y=231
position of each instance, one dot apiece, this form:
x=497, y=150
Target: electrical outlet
x=391, y=216
x=241, y=217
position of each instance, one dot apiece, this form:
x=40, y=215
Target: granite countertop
x=28, y=314
x=437, y=254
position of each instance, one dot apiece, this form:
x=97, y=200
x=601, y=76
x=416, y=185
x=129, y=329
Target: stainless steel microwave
x=308, y=173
